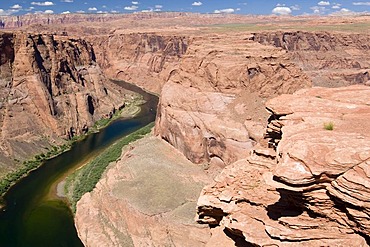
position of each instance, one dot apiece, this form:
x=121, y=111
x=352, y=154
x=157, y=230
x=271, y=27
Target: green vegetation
x=85, y=179
x=329, y=126
x=29, y=165
x=131, y=108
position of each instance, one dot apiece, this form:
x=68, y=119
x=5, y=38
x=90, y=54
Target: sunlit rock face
x=51, y=87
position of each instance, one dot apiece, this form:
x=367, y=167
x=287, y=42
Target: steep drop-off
x=212, y=106
x=145, y=59
x=51, y=88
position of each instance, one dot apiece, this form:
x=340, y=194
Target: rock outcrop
x=330, y=59
x=313, y=191
x=223, y=81
x=51, y=87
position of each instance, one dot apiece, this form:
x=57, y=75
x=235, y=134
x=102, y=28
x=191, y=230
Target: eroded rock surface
x=223, y=81
x=145, y=59
x=330, y=59
x=146, y=198
x=51, y=87
x=313, y=191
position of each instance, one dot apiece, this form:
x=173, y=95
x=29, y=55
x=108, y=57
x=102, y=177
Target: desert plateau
x=185, y=129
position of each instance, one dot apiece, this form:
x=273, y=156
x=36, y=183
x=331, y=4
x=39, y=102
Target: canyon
x=51, y=89
x=268, y=127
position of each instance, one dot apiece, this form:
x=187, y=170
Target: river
x=34, y=215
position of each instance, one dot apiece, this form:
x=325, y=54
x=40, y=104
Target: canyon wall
x=51, y=88
x=145, y=59
x=330, y=59
x=212, y=106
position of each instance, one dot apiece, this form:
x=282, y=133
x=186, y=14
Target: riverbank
x=146, y=198
x=84, y=179
x=131, y=109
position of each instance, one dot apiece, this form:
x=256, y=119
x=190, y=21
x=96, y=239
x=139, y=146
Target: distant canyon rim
x=261, y=136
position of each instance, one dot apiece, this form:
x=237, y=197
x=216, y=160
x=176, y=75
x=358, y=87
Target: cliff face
x=51, y=87
x=211, y=108
x=330, y=59
x=144, y=59
x=313, y=190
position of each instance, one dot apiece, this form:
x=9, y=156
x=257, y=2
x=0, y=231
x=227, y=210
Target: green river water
x=34, y=215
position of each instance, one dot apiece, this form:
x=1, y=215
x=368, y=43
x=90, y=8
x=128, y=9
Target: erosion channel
x=34, y=214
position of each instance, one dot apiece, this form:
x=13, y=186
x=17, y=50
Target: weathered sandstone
x=145, y=59
x=51, y=88
x=330, y=59
x=313, y=191
x=223, y=81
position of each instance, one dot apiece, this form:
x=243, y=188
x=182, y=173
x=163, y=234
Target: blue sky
x=280, y=7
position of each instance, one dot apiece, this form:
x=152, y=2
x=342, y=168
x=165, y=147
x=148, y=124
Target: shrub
x=329, y=126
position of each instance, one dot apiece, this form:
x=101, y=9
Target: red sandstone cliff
x=145, y=59
x=330, y=59
x=51, y=87
x=222, y=82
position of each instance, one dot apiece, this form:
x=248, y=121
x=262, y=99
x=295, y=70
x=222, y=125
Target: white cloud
x=67, y=1
x=343, y=11
x=147, y=10
x=49, y=11
x=318, y=10
x=295, y=7
x=66, y=12
x=336, y=6
x=158, y=6
x=16, y=6
x=361, y=3
x=114, y=12
x=80, y=11
x=323, y=3
x=282, y=11
x=135, y=3
x=8, y=12
x=197, y=3
x=133, y=7
x=42, y=3
x=224, y=11
x=101, y=12
x=92, y=9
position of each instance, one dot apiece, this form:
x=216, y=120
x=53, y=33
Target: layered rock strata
x=145, y=59
x=211, y=107
x=312, y=192
x=51, y=87
x=330, y=59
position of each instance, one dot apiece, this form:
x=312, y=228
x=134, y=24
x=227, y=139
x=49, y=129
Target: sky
x=265, y=7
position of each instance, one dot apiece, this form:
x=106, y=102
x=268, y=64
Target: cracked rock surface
x=313, y=192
